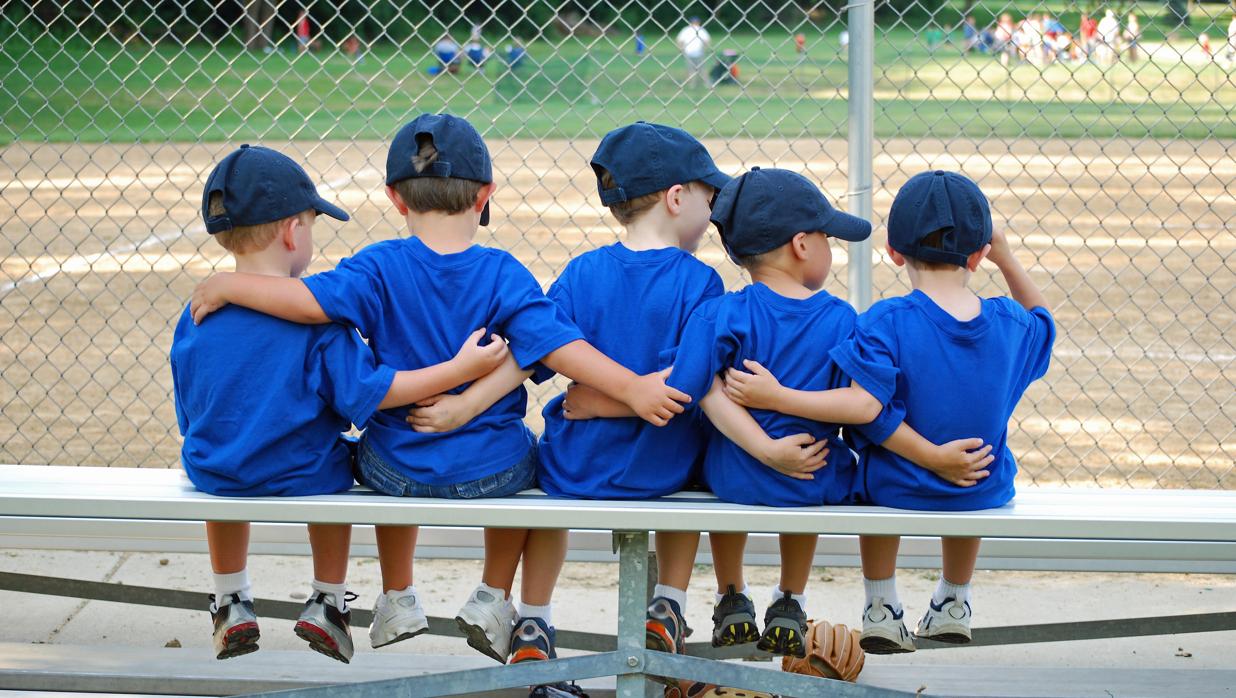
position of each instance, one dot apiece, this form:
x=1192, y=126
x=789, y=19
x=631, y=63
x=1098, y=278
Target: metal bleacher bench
x=1129, y=525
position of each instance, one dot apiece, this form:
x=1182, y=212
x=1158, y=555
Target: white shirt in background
x=693, y=40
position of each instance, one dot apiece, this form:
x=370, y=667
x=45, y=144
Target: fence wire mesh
x=1105, y=147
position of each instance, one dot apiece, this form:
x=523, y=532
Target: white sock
x=779, y=593
x=232, y=583
x=545, y=613
x=946, y=589
x=411, y=589
x=335, y=590
x=495, y=592
x=745, y=591
x=883, y=588
x=678, y=596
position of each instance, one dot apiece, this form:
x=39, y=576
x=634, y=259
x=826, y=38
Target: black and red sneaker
x=236, y=628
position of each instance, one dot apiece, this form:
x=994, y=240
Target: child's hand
x=796, y=456
x=441, y=413
x=581, y=402
x=962, y=462
x=653, y=400
x=475, y=360
x=209, y=296
x=757, y=389
x=1000, y=249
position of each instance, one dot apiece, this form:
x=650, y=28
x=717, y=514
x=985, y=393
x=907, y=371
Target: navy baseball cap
x=461, y=152
x=644, y=158
x=260, y=185
x=945, y=202
x=765, y=208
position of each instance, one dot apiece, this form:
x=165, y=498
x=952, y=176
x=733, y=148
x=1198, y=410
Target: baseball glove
x=695, y=689
x=832, y=653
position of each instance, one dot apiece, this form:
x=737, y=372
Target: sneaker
x=236, y=628
x=487, y=621
x=325, y=627
x=884, y=631
x=532, y=641
x=397, y=616
x=733, y=620
x=785, y=628
x=666, y=630
x=948, y=622
x=562, y=689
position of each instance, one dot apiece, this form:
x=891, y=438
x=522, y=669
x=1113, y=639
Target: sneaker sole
x=875, y=644
x=239, y=640
x=320, y=641
x=735, y=633
x=951, y=637
x=399, y=638
x=528, y=654
x=657, y=640
x=782, y=637
x=478, y=640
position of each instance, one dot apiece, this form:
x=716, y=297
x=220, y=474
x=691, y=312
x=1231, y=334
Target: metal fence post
x=861, y=25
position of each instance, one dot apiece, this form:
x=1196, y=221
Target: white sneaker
x=488, y=622
x=948, y=622
x=397, y=615
x=884, y=631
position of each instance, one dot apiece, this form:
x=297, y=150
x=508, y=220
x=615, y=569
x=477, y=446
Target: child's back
x=632, y=306
x=262, y=402
x=955, y=379
x=790, y=337
x=416, y=307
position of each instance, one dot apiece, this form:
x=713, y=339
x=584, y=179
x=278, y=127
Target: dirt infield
x=1130, y=239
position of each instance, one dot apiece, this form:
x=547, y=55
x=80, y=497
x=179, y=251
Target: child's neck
x=782, y=281
x=947, y=289
x=650, y=232
x=444, y=233
x=267, y=262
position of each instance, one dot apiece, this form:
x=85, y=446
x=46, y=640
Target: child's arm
x=1021, y=287
x=282, y=297
x=585, y=402
x=649, y=396
x=962, y=462
x=796, y=456
x=447, y=411
x=760, y=390
x=471, y=362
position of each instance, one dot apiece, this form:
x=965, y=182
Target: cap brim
x=716, y=179
x=847, y=227
x=324, y=207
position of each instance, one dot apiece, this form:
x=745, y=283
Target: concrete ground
x=586, y=601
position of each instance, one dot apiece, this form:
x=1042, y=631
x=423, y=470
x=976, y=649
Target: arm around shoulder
x=279, y=296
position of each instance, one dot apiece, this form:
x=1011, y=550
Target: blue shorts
x=376, y=474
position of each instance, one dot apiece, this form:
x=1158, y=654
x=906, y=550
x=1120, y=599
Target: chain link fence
x=1104, y=142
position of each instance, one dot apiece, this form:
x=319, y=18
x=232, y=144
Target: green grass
x=105, y=92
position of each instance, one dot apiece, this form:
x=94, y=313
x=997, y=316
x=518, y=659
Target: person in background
x=1132, y=35
x=693, y=41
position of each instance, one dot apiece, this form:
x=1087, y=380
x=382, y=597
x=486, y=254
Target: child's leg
x=229, y=545
x=884, y=630
x=727, y=553
x=666, y=625
x=544, y=553
x=235, y=625
x=323, y=623
x=797, y=554
x=785, y=622
x=396, y=546
x=733, y=617
x=960, y=556
x=503, y=549
x=330, y=544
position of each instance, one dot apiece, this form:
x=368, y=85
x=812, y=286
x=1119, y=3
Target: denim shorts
x=375, y=473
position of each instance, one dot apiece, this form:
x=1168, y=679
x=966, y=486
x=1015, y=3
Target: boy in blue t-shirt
x=415, y=299
x=262, y=402
x=951, y=364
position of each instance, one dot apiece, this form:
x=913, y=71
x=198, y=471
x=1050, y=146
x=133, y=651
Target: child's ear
x=894, y=255
x=483, y=196
x=673, y=199
x=976, y=258
x=287, y=232
x=798, y=244
x=397, y=200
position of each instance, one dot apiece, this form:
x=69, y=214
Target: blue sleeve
x=351, y=293
x=880, y=428
x=560, y=293
x=533, y=324
x=714, y=288
x=1041, y=338
x=346, y=376
x=704, y=351
x=182, y=419
x=869, y=358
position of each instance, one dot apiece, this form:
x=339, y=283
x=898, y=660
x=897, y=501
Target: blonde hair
x=933, y=241
x=447, y=194
x=244, y=239
x=628, y=211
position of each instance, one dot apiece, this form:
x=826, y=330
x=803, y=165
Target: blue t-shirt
x=417, y=307
x=951, y=380
x=262, y=403
x=791, y=338
x=632, y=306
